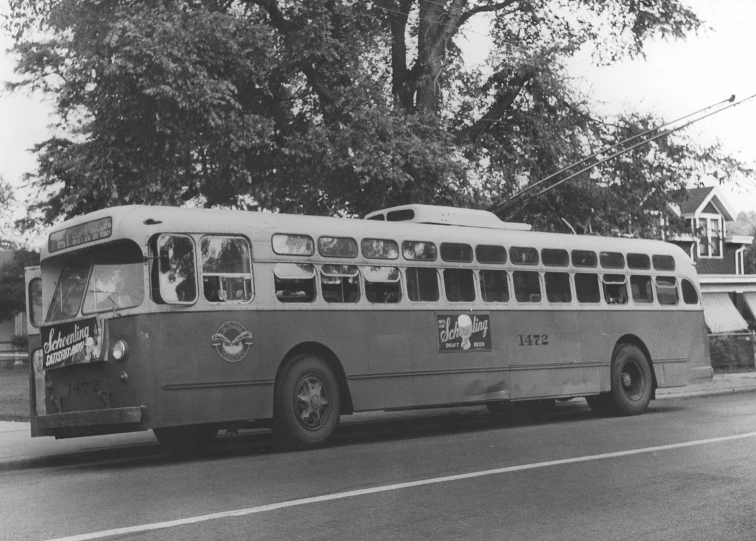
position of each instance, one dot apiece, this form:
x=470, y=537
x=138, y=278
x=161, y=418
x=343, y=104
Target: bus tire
x=632, y=381
x=307, y=402
x=186, y=440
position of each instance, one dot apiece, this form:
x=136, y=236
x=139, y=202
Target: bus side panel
x=196, y=382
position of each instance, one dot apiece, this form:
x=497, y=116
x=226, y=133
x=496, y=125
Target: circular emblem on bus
x=232, y=341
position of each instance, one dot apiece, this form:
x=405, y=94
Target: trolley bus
x=188, y=321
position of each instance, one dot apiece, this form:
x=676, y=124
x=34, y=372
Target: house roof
x=696, y=197
x=699, y=198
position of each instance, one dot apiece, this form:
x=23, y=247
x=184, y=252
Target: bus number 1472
x=534, y=339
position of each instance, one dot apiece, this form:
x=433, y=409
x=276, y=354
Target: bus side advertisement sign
x=463, y=332
x=70, y=343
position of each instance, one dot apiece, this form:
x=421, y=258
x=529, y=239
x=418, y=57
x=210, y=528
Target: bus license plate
x=83, y=387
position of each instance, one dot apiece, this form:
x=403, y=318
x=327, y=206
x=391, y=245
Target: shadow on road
x=353, y=430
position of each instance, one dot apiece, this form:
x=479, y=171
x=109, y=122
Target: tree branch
x=483, y=9
x=279, y=22
x=503, y=102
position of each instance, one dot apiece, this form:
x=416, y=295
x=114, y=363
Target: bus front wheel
x=632, y=382
x=307, y=402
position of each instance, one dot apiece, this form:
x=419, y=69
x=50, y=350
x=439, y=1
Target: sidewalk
x=719, y=384
x=19, y=450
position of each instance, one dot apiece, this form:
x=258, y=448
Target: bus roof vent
x=431, y=214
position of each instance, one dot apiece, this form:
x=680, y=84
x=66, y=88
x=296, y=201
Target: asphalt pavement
x=19, y=450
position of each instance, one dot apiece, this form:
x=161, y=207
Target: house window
x=710, y=232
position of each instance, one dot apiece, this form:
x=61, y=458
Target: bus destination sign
x=70, y=343
x=80, y=234
x=463, y=332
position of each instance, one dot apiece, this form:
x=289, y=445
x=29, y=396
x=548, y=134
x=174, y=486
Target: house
x=727, y=293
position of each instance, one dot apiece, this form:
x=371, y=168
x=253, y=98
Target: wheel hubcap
x=312, y=403
x=631, y=379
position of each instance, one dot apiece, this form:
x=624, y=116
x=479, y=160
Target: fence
x=14, y=386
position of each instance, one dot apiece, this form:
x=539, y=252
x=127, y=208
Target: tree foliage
x=12, y=289
x=343, y=106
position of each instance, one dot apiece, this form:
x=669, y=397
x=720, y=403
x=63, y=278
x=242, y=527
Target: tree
x=6, y=202
x=340, y=106
x=12, y=288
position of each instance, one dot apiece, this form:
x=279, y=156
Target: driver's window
x=177, y=277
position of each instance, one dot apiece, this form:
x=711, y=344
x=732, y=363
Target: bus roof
x=140, y=222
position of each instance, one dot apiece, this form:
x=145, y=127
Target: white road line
x=387, y=488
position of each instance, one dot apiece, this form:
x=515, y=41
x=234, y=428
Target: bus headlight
x=119, y=351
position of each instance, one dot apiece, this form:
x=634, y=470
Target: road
x=683, y=471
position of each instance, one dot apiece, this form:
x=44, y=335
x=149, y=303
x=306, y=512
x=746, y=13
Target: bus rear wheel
x=632, y=382
x=186, y=440
x=307, y=402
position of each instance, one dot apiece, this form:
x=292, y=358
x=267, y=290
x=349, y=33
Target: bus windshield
x=105, y=279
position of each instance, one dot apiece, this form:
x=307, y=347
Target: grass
x=14, y=392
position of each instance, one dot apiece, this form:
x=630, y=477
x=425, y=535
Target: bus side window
x=459, y=285
x=494, y=286
x=615, y=289
x=587, y=288
x=422, y=284
x=527, y=286
x=382, y=284
x=176, y=273
x=294, y=282
x=340, y=283
x=666, y=290
x=641, y=288
x=226, y=269
x=558, y=287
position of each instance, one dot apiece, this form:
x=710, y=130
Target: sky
x=675, y=79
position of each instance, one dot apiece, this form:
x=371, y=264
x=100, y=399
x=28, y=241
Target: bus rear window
x=116, y=280
x=690, y=295
x=294, y=282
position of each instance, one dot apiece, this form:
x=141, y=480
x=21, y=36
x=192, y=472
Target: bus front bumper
x=103, y=417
